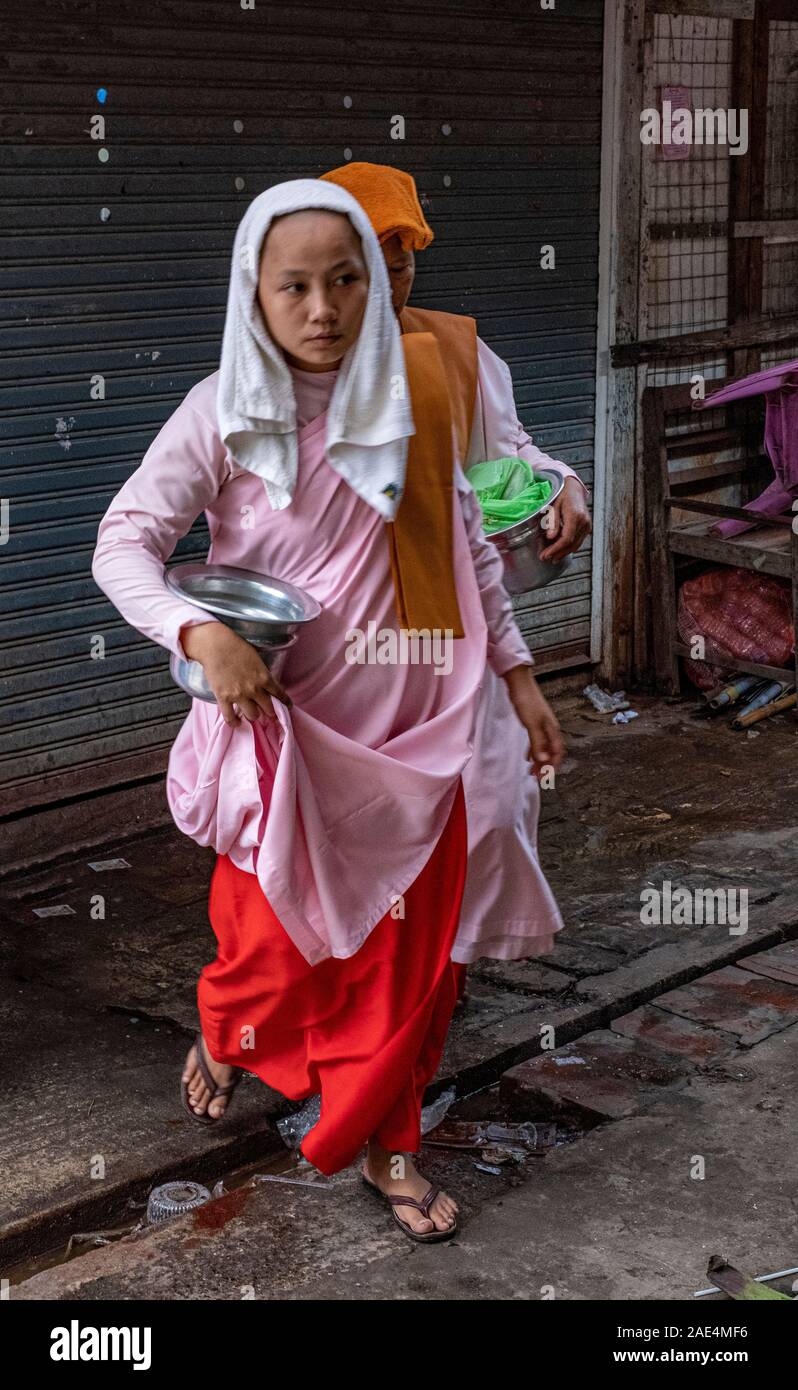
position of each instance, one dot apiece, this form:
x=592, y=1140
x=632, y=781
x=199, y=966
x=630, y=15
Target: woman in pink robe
x=509, y=911
x=331, y=811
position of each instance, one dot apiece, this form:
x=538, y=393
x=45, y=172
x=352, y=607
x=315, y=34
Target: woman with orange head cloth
x=508, y=911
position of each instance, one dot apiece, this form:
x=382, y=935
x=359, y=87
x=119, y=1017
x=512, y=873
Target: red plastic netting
x=739, y=613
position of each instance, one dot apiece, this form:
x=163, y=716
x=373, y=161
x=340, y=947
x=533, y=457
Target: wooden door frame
x=617, y=390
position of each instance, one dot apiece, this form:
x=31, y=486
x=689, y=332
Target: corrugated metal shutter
x=206, y=105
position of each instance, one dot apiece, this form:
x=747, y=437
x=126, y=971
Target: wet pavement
x=666, y=1160
x=101, y=1001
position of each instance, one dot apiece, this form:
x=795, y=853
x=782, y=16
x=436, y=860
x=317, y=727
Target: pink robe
x=337, y=806
x=509, y=910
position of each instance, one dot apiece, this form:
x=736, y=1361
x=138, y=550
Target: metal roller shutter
x=206, y=105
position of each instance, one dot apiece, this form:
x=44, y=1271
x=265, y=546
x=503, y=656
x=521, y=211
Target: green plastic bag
x=508, y=491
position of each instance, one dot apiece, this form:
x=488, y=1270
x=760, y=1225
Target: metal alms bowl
x=264, y=610
x=190, y=675
x=268, y=612
x=520, y=546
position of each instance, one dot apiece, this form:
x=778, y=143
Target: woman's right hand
x=234, y=671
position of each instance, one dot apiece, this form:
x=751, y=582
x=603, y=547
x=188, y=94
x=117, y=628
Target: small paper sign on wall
x=677, y=122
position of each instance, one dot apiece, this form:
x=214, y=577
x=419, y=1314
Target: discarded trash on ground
x=431, y=1115
x=482, y=1134
x=174, y=1199
x=500, y=1155
x=294, y=1182
x=603, y=701
x=625, y=716
x=293, y=1128
x=750, y=699
x=91, y=1238
x=772, y=700
x=741, y=1286
x=655, y=814
x=720, y=696
x=758, y=1278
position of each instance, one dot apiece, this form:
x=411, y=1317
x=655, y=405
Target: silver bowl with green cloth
x=269, y=613
x=521, y=542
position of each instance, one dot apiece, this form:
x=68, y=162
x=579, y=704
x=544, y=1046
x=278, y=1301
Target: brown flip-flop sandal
x=210, y=1082
x=425, y=1237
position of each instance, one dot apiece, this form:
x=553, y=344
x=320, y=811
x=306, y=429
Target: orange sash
x=456, y=335
x=420, y=541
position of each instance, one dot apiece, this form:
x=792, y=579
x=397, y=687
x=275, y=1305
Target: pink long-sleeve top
x=337, y=804
x=509, y=911
x=496, y=431
x=181, y=476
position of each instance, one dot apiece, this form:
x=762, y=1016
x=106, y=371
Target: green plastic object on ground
x=508, y=491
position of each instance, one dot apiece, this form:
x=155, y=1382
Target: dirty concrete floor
x=110, y=1000
x=632, y=1208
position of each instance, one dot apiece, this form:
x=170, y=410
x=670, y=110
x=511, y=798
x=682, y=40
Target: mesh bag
x=743, y=615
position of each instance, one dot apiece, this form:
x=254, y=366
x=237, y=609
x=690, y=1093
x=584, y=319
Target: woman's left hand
x=546, y=747
x=570, y=522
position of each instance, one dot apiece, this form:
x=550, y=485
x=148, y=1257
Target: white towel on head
x=369, y=417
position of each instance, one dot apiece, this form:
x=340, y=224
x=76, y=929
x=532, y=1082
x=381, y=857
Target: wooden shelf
x=679, y=525
x=767, y=550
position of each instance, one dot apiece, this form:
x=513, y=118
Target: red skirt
x=366, y=1032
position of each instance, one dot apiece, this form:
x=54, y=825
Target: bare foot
x=378, y=1166
x=198, y=1093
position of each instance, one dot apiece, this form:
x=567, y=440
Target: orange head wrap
x=388, y=197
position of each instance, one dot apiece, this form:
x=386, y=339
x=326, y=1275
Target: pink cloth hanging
x=779, y=385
